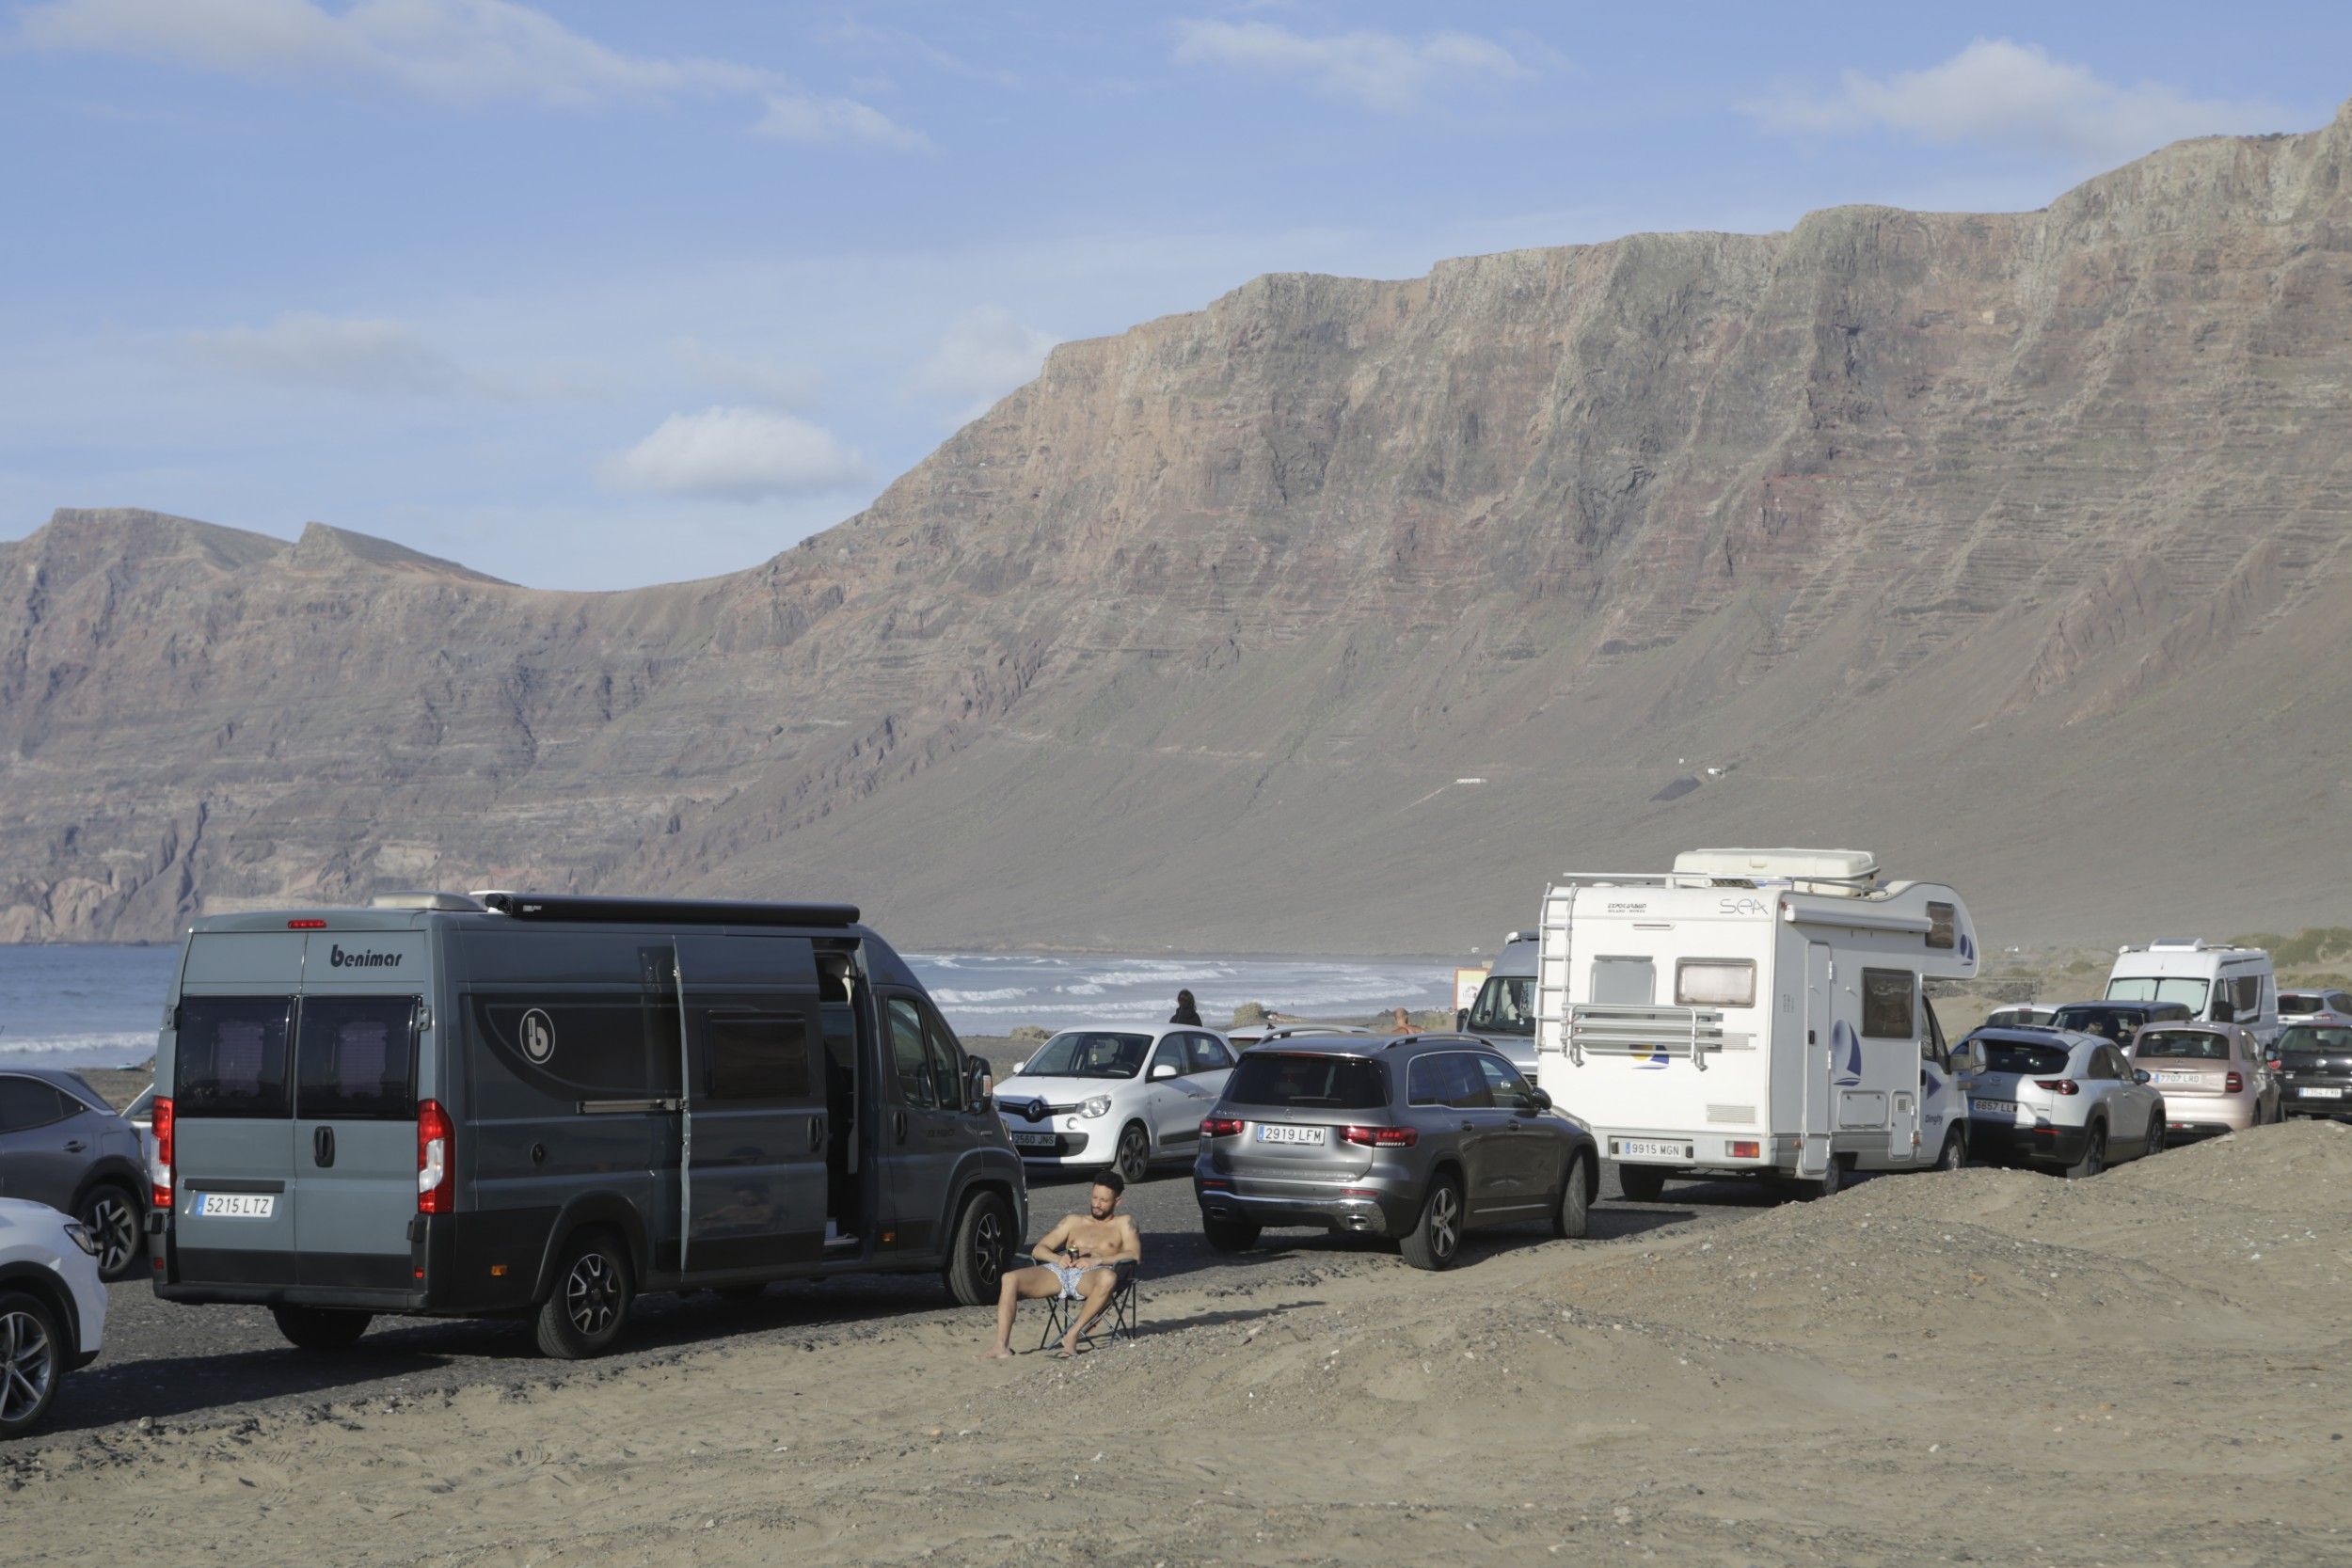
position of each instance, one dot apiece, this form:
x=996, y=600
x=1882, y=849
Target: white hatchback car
x=52, y=1309
x=1115, y=1095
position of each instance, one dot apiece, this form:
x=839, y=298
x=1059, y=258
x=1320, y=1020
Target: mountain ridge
x=1922, y=527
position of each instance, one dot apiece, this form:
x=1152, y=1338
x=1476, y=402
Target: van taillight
x=1380, y=1137
x=2236, y=1084
x=1221, y=1127
x=161, y=1175
x=435, y=1163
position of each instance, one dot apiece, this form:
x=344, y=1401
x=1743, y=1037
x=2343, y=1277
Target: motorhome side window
x=1888, y=1012
x=1943, y=925
x=1625, y=982
x=759, y=1056
x=1715, y=982
x=908, y=1055
x=231, y=1058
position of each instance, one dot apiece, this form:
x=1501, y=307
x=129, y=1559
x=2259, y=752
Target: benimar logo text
x=341, y=959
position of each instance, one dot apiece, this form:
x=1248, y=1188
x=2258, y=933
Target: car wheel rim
x=1131, y=1155
x=1444, y=1223
x=988, y=1244
x=592, y=1294
x=115, y=1231
x=27, y=1363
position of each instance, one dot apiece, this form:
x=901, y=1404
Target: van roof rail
x=661, y=911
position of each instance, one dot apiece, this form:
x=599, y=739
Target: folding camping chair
x=1116, y=1322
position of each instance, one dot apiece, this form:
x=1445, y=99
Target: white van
x=2219, y=985
x=1753, y=1011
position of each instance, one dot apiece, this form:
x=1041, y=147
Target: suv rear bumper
x=1357, y=1211
x=1993, y=1140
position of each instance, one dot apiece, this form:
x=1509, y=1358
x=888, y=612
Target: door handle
x=1469, y=1127
x=74, y=1146
x=322, y=1146
x=816, y=1134
x=899, y=1125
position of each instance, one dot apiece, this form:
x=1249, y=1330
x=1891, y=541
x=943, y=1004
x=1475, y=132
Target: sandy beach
x=1981, y=1366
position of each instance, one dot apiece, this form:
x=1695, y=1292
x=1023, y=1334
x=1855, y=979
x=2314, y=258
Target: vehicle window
x=231, y=1057
x=2299, y=1002
x=1932, y=1046
x=2246, y=991
x=1169, y=1053
x=1715, y=982
x=907, y=1052
x=946, y=1061
x=2101, y=1067
x=1943, y=925
x=2024, y=1058
x=1506, y=1005
x=1465, y=1086
x=2312, y=1039
x=2340, y=1002
x=356, y=1058
x=1308, y=1080
x=1208, y=1053
x=1089, y=1053
x=1424, y=1081
x=1504, y=1086
x=1887, y=1009
x=1625, y=982
x=2189, y=992
x=28, y=1102
x=757, y=1055
x=2183, y=1045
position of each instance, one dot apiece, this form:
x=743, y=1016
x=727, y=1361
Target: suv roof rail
x=661, y=911
x=1420, y=1036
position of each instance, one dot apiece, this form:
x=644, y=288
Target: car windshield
x=2020, y=1056
x=1506, y=1005
x=2190, y=992
x=2183, y=1044
x=1306, y=1080
x=1087, y=1054
x=2310, y=1041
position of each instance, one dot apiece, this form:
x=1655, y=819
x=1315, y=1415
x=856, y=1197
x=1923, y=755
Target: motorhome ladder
x=1551, y=973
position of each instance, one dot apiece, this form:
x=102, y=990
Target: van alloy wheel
x=113, y=1222
x=29, y=1366
x=988, y=1247
x=591, y=1293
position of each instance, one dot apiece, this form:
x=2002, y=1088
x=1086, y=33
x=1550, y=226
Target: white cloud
x=307, y=349
x=737, y=454
x=983, y=355
x=2007, y=94
x=1380, y=70
x=817, y=121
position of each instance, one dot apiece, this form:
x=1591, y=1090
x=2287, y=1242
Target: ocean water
x=99, y=1006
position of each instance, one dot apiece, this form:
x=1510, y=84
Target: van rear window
x=355, y=1058
x=1309, y=1080
x=230, y=1057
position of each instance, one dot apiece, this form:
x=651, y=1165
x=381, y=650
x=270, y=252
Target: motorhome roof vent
x=2179, y=944
x=423, y=901
x=1854, y=869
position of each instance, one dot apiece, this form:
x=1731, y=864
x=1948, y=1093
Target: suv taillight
x=2059, y=1085
x=2236, y=1084
x=161, y=1199
x=1221, y=1127
x=1380, y=1137
x=436, y=1177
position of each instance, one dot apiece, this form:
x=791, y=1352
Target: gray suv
x=1419, y=1138
x=62, y=1146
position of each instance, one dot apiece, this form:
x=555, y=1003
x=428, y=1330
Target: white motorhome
x=1753, y=1011
x=2219, y=985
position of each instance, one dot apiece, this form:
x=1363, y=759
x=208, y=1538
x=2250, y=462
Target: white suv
x=1115, y=1095
x=52, y=1309
x=2056, y=1097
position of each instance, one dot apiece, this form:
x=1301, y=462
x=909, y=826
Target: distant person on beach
x=1398, y=1022
x=1186, y=1012
x=1091, y=1246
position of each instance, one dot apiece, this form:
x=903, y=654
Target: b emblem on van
x=337, y=959
x=538, y=1032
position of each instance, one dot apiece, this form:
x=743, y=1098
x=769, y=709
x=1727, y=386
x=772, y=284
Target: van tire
x=1435, y=1239
x=1812, y=1189
x=110, y=1212
x=324, y=1328
x=1640, y=1183
x=1572, y=1220
x=2094, y=1158
x=1955, y=1153
x=1229, y=1235
x=586, y=1311
x=983, y=1239
x=42, y=1357
x=1133, y=1159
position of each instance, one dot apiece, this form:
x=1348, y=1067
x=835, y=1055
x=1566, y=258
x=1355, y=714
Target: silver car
x=2058, y=1099
x=1118, y=1095
x=1417, y=1137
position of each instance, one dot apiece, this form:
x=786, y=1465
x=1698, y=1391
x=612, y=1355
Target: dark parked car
x=2117, y=1020
x=2315, y=1072
x=60, y=1144
x=1419, y=1138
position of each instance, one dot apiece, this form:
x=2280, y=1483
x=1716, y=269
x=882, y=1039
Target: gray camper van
x=543, y=1106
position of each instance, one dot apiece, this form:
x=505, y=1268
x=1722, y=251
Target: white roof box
x=1797, y=866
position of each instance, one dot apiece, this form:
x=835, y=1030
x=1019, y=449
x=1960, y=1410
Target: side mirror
x=979, y=1082
x=2140, y=1075
x=1543, y=1101
x=1162, y=1070
x=1018, y=1065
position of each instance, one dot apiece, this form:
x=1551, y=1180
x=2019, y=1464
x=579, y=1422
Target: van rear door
x=230, y=1080
x=354, y=1130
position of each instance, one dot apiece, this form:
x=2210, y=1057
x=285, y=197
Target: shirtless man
x=1089, y=1245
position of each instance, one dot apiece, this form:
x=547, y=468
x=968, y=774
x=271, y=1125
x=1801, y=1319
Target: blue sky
x=595, y=295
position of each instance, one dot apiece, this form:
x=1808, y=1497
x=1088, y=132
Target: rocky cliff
x=2013, y=546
